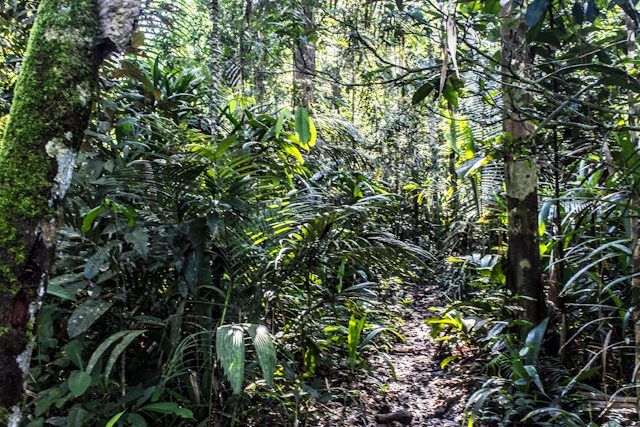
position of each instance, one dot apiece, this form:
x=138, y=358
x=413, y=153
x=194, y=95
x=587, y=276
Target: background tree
x=304, y=54
x=214, y=65
x=523, y=256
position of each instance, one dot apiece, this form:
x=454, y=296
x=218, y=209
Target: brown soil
x=422, y=394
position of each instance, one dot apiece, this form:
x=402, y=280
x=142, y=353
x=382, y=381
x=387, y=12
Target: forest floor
x=422, y=394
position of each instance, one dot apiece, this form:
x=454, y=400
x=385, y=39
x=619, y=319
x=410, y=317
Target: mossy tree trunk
x=523, y=255
x=51, y=108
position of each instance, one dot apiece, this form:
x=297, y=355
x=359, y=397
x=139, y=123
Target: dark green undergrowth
x=204, y=279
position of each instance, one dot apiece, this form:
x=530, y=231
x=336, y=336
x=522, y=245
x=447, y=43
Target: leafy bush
x=170, y=236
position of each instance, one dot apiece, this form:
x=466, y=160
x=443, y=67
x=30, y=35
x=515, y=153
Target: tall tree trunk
x=214, y=67
x=304, y=58
x=244, y=46
x=634, y=218
x=260, y=74
x=556, y=273
x=523, y=255
x=214, y=128
x=50, y=111
x=453, y=176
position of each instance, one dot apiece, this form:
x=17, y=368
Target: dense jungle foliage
x=259, y=181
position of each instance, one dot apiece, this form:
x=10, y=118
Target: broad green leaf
x=534, y=342
x=118, y=349
x=184, y=413
x=113, y=420
x=119, y=208
x=353, y=339
x=533, y=373
x=140, y=241
x=77, y=416
x=230, y=352
x=55, y=288
x=155, y=71
x=295, y=153
x=97, y=354
x=471, y=165
x=451, y=95
x=224, y=145
x=535, y=12
x=476, y=403
x=132, y=70
x=79, y=382
x=446, y=361
x=168, y=408
x=90, y=217
x=73, y=351
x=422, y=92
x=313, y=132
x=136, y=420
x=302, y=125
x=569, y=418
x=137, y=39
x=265, y=350
x=45, y=399
x=97, y=262
x=85, y=315
x=279, y=123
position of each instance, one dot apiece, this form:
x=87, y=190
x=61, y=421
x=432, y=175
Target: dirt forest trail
x=423, y=394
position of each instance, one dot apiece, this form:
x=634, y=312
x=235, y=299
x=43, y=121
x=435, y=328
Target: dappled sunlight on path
x=423, y=394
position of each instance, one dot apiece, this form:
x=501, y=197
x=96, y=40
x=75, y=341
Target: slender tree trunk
x=260, y=75
x=453, y=176
x=556, y=275
x=634, y=219
x=245, y=32
x=523, y=256
x=50, y=111
x=304, y=58
x=214, y=127
x=214, y=67
x=635, y=284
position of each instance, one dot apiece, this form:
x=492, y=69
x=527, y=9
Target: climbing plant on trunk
x=52, y=104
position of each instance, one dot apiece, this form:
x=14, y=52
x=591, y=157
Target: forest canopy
x=319, y=213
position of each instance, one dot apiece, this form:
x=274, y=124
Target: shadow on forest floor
x=423, y=394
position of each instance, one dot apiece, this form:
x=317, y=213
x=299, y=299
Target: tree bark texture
x=304, y=58
x=523, y=254
x=51, y=108
x=634, y=217
x=214, y=66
